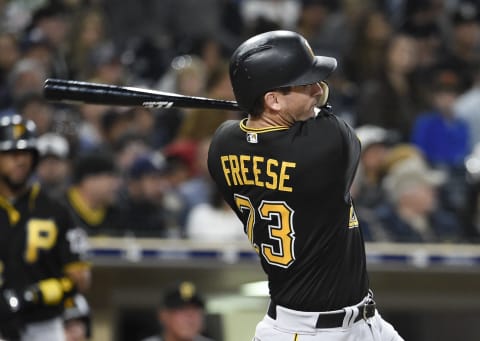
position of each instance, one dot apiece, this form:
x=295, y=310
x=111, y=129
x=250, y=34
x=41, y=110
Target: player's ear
x=272, y=101
x=323, y=100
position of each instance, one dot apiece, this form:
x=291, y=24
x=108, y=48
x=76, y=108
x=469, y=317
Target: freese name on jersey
x=254, y=170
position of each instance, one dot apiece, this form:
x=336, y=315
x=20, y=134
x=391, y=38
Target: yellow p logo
x=41, y=234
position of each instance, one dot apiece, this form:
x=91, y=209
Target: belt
x=334, y=319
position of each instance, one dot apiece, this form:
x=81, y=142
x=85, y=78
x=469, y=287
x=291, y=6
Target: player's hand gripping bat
x=94, y=93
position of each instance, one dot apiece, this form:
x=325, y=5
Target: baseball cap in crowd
x=181, y=295
x=52, y=144
x=400, y=152
x=370, y=135
x=148, y=164
x=104, y=54
x=93, y=164
x=183, y=152
x=410, y=173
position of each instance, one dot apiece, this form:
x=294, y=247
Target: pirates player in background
x=286, y=170
x=41, y=251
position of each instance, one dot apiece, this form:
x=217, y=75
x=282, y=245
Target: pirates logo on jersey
x=252, y=137
x=353, y=222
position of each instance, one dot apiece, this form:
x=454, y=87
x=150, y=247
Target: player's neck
x=268, y=119
x=10, y=193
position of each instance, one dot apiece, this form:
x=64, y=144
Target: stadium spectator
x=367, y=189
x=128, y=148
x=195, y=188
x=365, y=56
x=143, y=123
x=186, y=75
x=325, y=28
x=283, y=13
x=89, y=130
x=27, y=76
x=201, y=123
x=390, y=102
x=146, y=184
x=412, y=213
x=182, y=159
x=443, y=137
x=181, y=315
x=375, y=143
x=33, y=106
x=113, y=125
x=51, y=24
x=467, y=106
x=54, y=168
x=92, y=196
x=105, y=65
x=462, y=54
x=9, y=55
x=214, y=221
x=87, y=33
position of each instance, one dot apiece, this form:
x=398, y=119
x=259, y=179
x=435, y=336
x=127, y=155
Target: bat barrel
x=59, y=90
x=93, y=93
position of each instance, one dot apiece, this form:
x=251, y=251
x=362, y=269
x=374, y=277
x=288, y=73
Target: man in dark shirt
x=286, y=170
x=92, y=196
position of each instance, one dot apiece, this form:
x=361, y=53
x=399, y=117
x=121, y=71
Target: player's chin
x=20, y=178
x=16, y=183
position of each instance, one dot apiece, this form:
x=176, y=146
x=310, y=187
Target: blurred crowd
x=408, y=81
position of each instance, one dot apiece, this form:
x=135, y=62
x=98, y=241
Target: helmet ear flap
x=323, y=100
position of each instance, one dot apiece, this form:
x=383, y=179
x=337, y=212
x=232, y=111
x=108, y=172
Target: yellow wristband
x=51, y=290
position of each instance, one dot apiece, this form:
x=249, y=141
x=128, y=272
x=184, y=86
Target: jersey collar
x=243, y=126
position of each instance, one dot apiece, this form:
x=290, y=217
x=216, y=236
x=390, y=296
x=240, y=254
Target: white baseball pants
x=292, y=325
x=49, y=330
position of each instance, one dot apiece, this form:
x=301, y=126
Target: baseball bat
x=95, y=93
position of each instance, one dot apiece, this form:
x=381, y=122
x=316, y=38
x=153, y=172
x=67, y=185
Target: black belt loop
x=368, y=309
x=272, y=310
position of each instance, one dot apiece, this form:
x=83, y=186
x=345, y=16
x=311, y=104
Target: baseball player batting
x=286, y=170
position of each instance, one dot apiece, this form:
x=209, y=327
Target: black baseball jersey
x=290, y=188
x=38, y=240
x=101, y=221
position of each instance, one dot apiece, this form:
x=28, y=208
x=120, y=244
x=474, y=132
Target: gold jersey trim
x=243, y=126
x=13, y=214
x=92, y=216
x=33, y=195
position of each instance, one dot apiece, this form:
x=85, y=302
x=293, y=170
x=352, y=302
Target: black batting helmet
x=273, y=60
x=18, y=134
